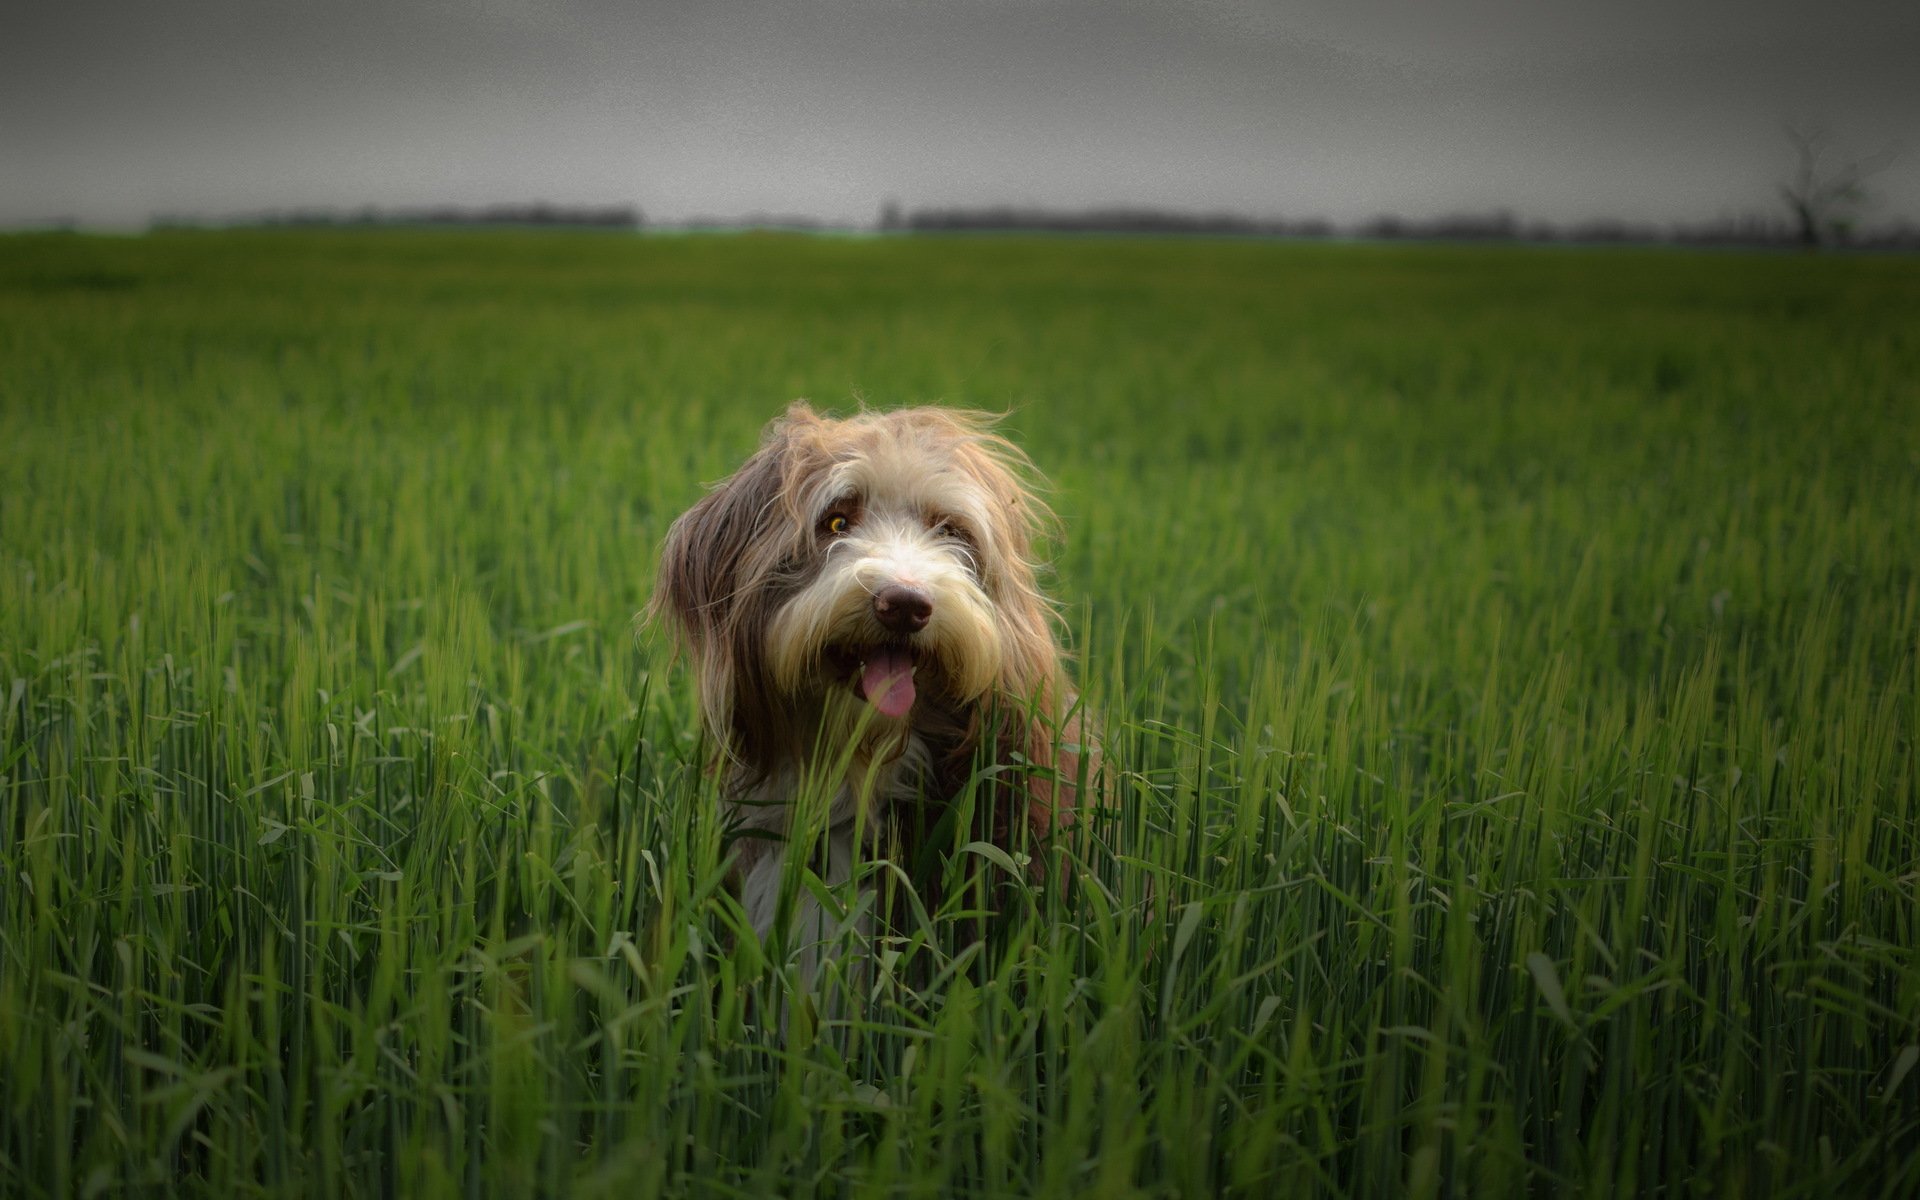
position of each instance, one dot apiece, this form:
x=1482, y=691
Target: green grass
x=1507, y=662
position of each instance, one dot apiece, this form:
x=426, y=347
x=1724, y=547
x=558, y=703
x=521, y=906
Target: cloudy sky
x=1346, y=109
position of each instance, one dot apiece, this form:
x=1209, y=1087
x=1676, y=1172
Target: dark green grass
x=1506, y=661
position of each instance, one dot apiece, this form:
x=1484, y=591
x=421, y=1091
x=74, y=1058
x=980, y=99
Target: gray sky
x=1637, y=109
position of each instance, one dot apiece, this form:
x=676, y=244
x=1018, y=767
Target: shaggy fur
x=860, y=609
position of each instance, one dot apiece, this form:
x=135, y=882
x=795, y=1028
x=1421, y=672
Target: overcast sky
x=1346, y=109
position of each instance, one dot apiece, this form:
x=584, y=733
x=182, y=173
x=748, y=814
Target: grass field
x=1507, y=663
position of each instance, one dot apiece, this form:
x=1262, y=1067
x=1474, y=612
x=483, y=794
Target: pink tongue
x=887, y=680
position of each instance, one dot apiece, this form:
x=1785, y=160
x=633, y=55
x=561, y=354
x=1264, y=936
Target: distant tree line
x=611, y=216
x=1499, y=226
x=1785, y=230
x=1100, y=220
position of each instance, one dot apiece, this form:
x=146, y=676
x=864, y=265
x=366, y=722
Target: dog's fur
x=779, y=585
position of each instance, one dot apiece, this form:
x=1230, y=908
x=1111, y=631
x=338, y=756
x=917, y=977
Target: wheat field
x=1505, y=658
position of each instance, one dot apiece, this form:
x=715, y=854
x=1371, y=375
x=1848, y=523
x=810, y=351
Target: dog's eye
x=954, y=530
x=836, y=523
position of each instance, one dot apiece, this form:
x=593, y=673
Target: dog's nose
x=902, y=609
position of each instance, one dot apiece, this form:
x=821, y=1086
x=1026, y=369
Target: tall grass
x=1505, y=662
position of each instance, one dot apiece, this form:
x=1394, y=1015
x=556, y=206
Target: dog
x=860, y=607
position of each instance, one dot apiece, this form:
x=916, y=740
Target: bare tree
x=1826, y=198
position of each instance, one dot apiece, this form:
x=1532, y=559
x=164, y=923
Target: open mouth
x=881, y=674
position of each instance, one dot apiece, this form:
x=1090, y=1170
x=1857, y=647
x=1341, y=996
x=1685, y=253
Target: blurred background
x=1744, y=120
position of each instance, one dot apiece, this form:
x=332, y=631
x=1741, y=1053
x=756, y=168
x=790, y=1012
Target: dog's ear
x=716, y=569
x=1017, y=521
x=700, y=583
x=1033, y=705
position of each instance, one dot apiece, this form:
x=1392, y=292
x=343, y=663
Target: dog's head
x=886, y=559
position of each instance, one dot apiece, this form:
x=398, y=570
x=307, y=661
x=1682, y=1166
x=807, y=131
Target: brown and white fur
x=860, y=607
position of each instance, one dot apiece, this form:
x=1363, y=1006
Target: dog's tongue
x=887, y=680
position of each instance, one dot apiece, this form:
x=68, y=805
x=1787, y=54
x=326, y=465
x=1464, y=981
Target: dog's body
x=860, y=607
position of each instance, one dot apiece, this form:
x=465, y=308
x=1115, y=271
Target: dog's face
x=881, y=562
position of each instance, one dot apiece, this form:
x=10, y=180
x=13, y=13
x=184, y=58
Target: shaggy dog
x=859, y=605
